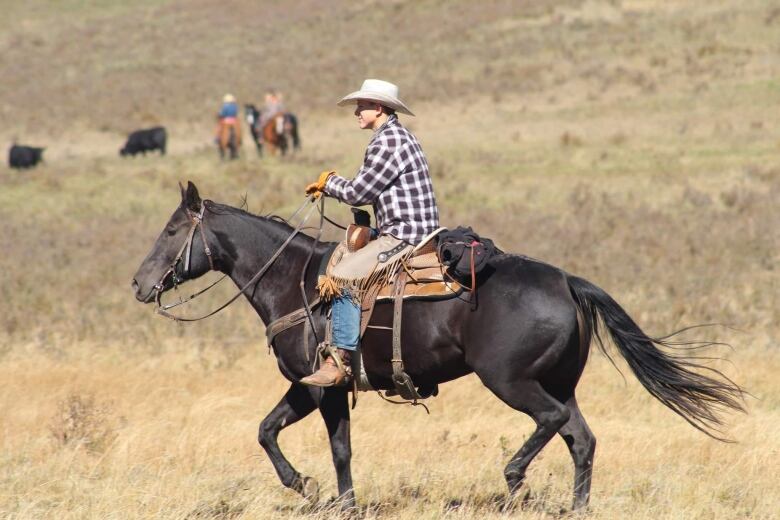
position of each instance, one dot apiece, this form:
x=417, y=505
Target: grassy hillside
x=634, y=143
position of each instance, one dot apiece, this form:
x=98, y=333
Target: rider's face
x=367, y=113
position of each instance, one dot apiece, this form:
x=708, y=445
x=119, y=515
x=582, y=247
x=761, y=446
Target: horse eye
x=171, y=231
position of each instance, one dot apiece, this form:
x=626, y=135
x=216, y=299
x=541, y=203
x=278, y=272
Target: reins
x=302, y=282
x=197, y=220
x=299, y=316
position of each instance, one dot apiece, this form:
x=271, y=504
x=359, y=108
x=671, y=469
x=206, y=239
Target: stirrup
x=324, y=376
x=423, y=391
x=333, y=353
x=405, y=386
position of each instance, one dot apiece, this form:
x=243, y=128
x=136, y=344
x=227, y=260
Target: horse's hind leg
x=258, y=145
x=548, y=413
x=582, y=446
x=296, y=404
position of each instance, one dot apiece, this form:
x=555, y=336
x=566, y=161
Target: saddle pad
x=426, y=282
x=423, y=291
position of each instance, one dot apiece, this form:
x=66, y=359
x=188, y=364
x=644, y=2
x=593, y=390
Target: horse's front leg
x=296, y=404
x=334, y=408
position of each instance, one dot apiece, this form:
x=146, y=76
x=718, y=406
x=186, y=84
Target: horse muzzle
x=143, y=298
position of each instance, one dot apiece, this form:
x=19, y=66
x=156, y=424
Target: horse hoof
x=514, y=481
x=310, y=490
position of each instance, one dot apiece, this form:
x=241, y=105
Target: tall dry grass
x=183, y=446
x=631, y=143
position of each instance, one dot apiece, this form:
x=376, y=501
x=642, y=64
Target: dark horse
x=527, y=339
x=279, y=135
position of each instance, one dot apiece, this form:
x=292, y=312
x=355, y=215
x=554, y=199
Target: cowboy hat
x=229, y=98
x=383, y=92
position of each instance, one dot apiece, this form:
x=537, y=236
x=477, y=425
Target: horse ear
x=192, y=199
x=183, y=194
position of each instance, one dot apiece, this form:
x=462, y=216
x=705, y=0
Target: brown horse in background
x=229, y=136
x=281, y=131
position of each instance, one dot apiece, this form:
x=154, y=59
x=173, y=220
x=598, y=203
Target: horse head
x=179, y=254
x=252, y=114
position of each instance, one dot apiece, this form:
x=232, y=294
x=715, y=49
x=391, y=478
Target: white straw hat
x=383, y=92
x=229, y=98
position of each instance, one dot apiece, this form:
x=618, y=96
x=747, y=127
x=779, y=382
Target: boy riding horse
x=228, y=122
x=272, y=120
x=395, y=180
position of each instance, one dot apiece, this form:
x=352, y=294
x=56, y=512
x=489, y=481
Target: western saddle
x=421, y=276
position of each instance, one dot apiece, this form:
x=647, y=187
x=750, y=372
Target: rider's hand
x=312, y=189
x=316, y=188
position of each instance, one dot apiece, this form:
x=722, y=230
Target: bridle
x=196, y=220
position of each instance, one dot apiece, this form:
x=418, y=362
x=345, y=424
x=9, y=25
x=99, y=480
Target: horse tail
x=674, y=379
x=294, y=130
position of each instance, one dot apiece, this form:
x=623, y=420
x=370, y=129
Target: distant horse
x=283, y=133
x=280, y=132
x=528, y=339
x=252, y=116
x=228, y=136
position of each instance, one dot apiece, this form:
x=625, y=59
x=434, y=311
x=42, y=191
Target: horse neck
x=244, y=244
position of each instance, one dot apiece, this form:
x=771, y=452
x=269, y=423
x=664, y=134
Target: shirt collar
x=392, y=119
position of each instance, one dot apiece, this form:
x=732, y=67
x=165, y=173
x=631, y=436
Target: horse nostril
x=134, y=285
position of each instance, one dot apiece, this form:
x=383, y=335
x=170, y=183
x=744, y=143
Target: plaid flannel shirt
x=394, y=179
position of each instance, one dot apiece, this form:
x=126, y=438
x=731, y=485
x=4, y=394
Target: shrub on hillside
x=82, y=421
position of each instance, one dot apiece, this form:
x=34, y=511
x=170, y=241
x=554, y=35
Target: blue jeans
x=345, y=316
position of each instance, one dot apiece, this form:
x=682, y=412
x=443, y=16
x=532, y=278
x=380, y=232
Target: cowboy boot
x=331, y=372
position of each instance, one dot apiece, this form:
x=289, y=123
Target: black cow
x=142, y=141
x=24, y=156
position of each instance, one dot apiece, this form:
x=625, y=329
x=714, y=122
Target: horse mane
x=224, y=209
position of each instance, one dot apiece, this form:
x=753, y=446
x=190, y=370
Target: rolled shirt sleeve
x=379, y=170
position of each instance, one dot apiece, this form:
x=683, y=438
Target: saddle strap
x=403, y=383
x=288, y=321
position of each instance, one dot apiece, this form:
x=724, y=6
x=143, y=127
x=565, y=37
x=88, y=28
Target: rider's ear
x=191, y=198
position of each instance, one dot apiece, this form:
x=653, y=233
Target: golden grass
x=185, y=445
x=632, y=143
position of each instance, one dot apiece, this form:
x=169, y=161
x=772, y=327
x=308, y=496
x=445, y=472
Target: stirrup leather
x=403, y=383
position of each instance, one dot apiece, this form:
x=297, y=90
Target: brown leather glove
x=316, y=188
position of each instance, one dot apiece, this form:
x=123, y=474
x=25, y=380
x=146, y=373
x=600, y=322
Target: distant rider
x=229, y=107
x=273, y=107
x=228, y=118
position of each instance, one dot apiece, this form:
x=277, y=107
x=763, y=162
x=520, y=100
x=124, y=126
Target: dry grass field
x=635, y=143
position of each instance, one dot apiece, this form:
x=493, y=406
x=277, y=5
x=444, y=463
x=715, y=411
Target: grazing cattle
x=142, y=141
x=24, y=156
